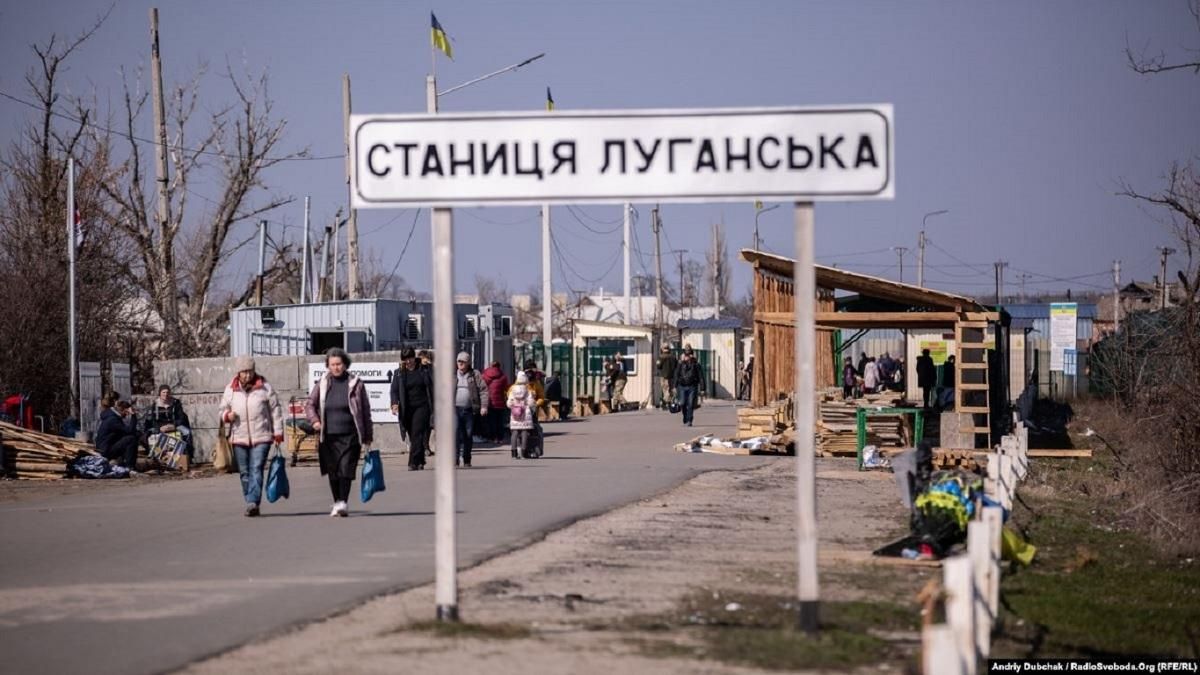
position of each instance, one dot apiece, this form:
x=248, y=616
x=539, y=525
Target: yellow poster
x=938, y=350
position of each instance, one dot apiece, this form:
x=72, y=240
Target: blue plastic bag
x=277, y=480
x=372, y=476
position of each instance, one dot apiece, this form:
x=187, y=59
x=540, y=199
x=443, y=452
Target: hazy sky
x=1019, y=117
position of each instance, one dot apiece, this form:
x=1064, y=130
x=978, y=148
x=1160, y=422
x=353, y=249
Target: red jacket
x=497, y=384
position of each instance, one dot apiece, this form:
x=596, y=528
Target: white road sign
x=805, y=154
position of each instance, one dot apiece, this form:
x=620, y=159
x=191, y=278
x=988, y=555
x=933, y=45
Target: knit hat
x=522, y=378
x=244, y=363
x=463, y=356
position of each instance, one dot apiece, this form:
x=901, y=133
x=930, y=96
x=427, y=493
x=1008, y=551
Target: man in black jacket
x=926, y=376
x=687, y=380
x=412, y=402
x=666, y=375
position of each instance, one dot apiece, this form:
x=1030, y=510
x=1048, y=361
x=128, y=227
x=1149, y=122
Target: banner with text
x=1063, y=317
x=377, y=380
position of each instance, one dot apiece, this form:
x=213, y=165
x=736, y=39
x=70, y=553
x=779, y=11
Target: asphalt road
x=152, y=576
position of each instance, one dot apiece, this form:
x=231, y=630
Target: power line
x=571, y=210
x=403, y=250
x=123, y=134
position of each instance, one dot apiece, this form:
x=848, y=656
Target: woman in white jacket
x=251, y=409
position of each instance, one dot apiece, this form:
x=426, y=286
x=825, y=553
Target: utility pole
x=1023, y=276
x=716, y=299
x=337, y=226
x=1000, y=265
x=1116, y=296
x=73, y=350
x=900, y=251
x=262, y=261
x=627, y=224
x=323, y=270
x=656, y=225
x=352, y=280
x=921, y=259
x=304, y=281
x=171, y=320
x=1163, y=252
x=682, y=283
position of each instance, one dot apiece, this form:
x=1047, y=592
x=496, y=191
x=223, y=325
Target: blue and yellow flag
x=440, y=39
x=549, y=100
x=758, y=205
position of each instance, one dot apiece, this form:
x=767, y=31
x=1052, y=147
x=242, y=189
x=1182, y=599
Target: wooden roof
x=866, y=285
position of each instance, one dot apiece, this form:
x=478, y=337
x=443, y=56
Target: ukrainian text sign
x=808, y=154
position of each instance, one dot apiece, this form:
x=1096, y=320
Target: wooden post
x=994, y=518
x=960, y=615
x=979, y=550
x=939, y=654
x=991, y=483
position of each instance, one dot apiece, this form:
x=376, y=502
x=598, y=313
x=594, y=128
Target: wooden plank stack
x=31, y=455
x=767, y=420
x=837, y=423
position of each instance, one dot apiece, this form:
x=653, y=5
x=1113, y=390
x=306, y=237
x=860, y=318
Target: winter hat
x=522, y=378
x=244, y=363
x=463, y=356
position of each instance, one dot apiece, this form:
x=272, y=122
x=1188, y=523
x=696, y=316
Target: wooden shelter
x=889, y=304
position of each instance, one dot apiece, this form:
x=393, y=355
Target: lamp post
x=757, y=213
x=921, y=246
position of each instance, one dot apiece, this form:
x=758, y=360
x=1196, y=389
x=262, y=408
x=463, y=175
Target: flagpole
x=72, y=347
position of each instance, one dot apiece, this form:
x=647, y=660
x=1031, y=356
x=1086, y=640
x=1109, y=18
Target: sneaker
x=333, y=512
x=342, y=509
x=251, y=510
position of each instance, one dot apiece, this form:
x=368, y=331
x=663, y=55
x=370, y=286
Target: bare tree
x=491, y=289
x=180, y=259
x=33, y=229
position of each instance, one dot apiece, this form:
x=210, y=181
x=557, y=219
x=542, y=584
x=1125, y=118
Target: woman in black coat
x=412, y=402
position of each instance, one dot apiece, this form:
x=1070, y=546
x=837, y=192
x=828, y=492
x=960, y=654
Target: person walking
x=114, y=439
x=412, y=402
x=849, y=378
x=339, y=407
x=470, y=394
x=497, y=385
x=521, y=402
x=619, y=379
x=251, y=409
x=666, y=375
x=687, y=380
x=926, y=377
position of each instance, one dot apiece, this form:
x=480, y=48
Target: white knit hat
x=522, y=378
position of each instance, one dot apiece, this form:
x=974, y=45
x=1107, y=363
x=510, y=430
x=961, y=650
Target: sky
x=1020, y=118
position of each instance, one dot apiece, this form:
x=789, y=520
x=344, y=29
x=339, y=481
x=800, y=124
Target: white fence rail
x=971, y=581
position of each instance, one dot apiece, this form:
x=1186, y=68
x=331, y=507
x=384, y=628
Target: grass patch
x=1093, y=590
x=479, y=631
x=758, y=630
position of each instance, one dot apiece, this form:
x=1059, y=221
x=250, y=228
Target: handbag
x=372, y=476
x=675, y=407
x=223, y=454
x=277, y=480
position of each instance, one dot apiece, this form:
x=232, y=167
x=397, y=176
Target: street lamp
x=921, y=247
x=757, y=213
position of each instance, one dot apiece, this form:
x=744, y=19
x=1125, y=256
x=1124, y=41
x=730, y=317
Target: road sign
x=808, y=154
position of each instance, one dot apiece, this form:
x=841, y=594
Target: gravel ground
x=564, y=604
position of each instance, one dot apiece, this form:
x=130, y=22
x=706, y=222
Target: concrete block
x=951, y=437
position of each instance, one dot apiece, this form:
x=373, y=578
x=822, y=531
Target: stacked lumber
x=767, y=420
x=837, y=423
x=948, y=458
x=32, y=455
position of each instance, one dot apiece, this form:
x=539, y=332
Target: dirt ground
x=620, y=592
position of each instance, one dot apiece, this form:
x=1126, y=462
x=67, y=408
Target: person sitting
x=114, y=439
x=166, y=416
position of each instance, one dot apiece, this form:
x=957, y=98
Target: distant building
x=1135, y=296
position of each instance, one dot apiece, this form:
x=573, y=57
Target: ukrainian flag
x=549, y=100
x=440, y=39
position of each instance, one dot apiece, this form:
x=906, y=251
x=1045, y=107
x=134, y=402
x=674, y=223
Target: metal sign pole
x=805, y=286
x=445, y=500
